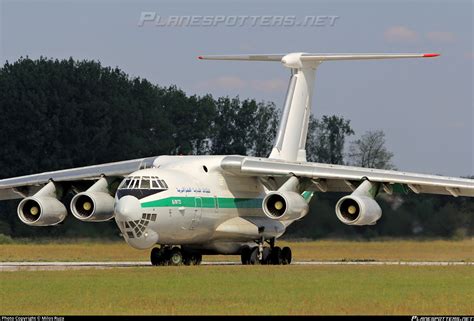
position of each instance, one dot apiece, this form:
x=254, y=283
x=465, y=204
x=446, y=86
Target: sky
x=425, y=106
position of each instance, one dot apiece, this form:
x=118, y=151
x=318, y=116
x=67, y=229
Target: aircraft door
x=197, y=212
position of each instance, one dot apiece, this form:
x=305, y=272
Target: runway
x=58, y=266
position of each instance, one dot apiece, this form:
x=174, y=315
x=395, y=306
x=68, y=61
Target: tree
x=265, y=129
x=57, y=114
x=370, y=151
x=326, y=139
x=243, y=127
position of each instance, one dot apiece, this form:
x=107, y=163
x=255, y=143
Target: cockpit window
x=125, y=183
x=141, y=186
x=154, y=184
x=145, y=182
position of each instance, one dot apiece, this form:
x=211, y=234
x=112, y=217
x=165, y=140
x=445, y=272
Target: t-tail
x=290, y=142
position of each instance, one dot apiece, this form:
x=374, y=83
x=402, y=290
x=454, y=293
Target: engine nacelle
x=284, y=206
x=93, y=206
x=41, y=211
x=358, y=210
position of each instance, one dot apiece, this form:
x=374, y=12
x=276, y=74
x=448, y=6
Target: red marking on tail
x=429, y=55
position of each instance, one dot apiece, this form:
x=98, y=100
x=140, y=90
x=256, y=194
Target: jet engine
x=95, y=204
x=95, y=207
x=43, y=208
x=285, y=205
x=359, y=208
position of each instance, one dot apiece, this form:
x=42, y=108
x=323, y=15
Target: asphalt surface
x=58, y=266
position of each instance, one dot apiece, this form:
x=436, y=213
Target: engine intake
x=358, y=210
x=93, y=206
x=284, y=206
x=41, y=211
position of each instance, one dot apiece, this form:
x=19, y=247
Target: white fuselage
x=202, y=207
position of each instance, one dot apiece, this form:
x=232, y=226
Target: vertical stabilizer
x=290, y=143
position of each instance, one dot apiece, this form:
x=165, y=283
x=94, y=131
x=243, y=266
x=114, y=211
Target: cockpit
x=141, y=186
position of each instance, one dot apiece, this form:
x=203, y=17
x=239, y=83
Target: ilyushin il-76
x=183, y=207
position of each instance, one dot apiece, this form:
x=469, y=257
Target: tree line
x=57, y=114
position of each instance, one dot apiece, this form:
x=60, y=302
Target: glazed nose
x=128, y=208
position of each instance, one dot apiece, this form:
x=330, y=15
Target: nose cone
x=128, y=208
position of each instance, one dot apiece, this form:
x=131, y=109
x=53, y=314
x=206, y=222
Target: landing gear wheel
x=156, y=256
x=254, y=256
x=196, y=259
x=266, y=257
x=187, y=258
x=176, y=256
x=286, y=255
x=166, y=254
x=276, y=257
x=245, y=255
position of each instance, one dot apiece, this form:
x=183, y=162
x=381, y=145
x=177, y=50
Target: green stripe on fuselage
x=207, y=202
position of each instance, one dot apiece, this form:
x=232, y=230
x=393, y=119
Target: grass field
x=302, y=251
x=241, y=290
x=412, y=290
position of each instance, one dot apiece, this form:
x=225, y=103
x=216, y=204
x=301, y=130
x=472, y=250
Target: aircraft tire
x=156, y=256
x=286, y=255
x=197, y=259
x=245, y=255
x=254, y=256
x=276, y=257
x=176, y=256
x=267, y=256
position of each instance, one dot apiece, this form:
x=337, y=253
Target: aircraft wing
x=21, y=186
x=338, y=178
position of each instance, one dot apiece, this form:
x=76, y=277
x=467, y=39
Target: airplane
x=183, y=207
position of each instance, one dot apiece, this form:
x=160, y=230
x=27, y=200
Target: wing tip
x=431, y=55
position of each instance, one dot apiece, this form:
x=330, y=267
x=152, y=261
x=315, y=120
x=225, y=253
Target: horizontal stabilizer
x=274, y=57
x=319, y=57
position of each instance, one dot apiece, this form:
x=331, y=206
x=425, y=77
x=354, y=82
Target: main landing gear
x=261, y=254
x=167, y=255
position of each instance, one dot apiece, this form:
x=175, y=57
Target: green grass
x=438, y=250
x=241, y=290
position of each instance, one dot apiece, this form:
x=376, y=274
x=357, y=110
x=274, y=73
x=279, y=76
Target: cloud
x=441, y=36
x=224, y=82
x=236, y=83
x=400, y=34
x=269, y=85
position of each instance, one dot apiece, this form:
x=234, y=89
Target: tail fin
x=290, y=142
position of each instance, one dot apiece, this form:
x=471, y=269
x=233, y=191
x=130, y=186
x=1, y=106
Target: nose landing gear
x=173, y=256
